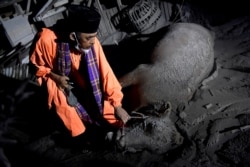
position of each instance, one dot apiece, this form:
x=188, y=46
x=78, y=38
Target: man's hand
x=122, y=114
x=61, y=81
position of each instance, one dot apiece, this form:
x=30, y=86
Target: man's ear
x=72, y=36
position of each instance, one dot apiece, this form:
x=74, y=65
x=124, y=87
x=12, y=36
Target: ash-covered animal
x=150, y=128
x=181, y=59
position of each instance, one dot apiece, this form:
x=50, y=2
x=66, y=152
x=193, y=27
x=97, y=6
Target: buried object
x=180, y=61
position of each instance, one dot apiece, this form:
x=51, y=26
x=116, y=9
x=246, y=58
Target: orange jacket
x=43, y=57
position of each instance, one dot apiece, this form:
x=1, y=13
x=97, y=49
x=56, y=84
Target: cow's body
x=179, y=62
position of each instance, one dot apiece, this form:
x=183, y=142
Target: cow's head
x=150, y=128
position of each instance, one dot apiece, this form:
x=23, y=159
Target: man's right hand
x=61, y=81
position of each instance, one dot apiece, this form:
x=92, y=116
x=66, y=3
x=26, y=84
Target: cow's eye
x=150, y=127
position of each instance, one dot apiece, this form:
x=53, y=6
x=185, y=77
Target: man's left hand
x=122, y=114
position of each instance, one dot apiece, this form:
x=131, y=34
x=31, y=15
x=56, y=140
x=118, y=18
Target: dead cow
x=150, y=128
x=179, y=62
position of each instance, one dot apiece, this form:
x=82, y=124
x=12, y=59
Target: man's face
x=86, y=40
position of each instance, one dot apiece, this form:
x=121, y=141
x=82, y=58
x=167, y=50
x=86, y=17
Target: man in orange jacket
x=81, y=84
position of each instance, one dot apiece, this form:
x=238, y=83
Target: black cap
x=83, y=19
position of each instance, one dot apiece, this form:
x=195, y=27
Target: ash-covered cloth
x=63, y=68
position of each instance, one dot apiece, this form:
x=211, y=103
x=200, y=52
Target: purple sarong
x=94, y=77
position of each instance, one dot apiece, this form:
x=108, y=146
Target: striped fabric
x=83, y=114
x=63, y=68
x=90, y=59
x=63, y=59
